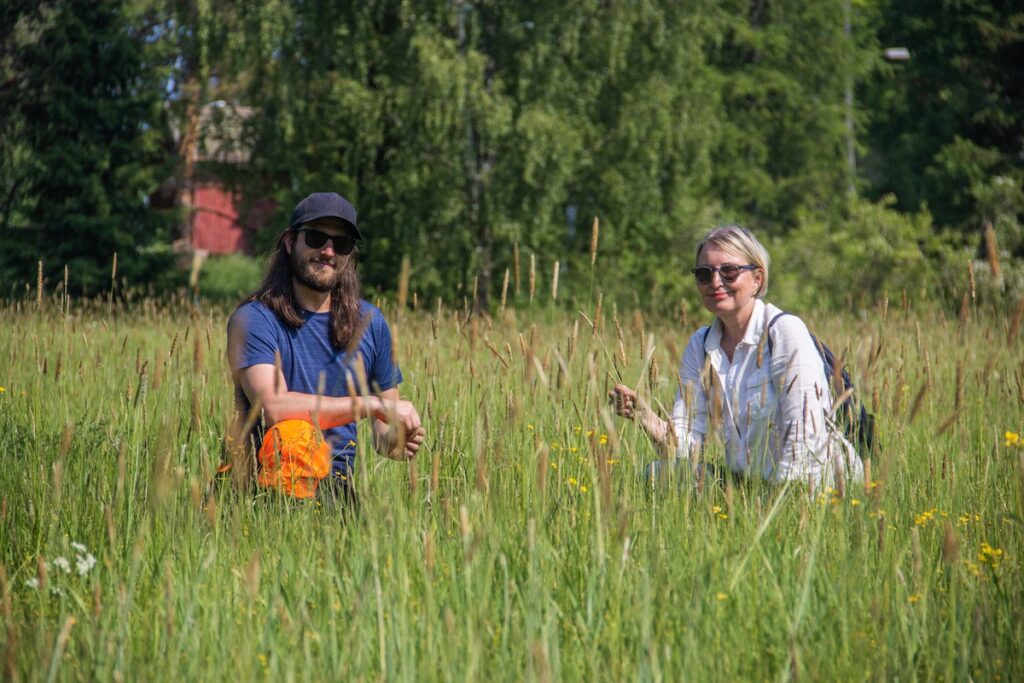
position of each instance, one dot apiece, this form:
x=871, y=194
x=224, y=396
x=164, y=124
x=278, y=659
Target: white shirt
x=772, y=415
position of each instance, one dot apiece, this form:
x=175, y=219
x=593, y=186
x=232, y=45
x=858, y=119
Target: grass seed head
x=595, y=230
x=950, y=545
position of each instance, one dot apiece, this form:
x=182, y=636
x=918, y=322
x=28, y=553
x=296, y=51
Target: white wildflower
x=32, y=583
x=62, y=564
x=85, y=563
x=79, y=547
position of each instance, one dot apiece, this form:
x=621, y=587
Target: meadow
x=523, y=543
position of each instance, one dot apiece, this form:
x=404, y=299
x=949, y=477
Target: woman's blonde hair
x=742, y=244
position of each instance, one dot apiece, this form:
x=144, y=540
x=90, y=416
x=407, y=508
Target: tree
x=82, y=105
x=947, y=128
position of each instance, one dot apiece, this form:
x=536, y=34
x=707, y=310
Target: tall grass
x=522, y=543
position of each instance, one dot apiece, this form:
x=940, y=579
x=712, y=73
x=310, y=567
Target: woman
x=764, y=387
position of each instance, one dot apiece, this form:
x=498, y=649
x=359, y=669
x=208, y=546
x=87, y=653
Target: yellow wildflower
x=2, y=390
x=583, y=488
x=989, y=555
x=603, y=440
x=1012, y=438
x=925, y=517
x=914, y=598
x=721, y=596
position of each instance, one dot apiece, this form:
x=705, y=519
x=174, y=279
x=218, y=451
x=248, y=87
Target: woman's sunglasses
x=342, y=244
x=729, y=272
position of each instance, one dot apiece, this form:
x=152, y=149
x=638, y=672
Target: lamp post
x=891, y=54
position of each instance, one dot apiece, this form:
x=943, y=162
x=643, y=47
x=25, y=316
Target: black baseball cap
x=324, y=205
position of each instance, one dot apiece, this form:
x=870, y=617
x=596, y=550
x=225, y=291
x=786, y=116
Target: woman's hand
x=625, y=401
x=629, y=405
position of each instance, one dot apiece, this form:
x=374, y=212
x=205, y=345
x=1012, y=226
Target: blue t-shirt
x=306, y=352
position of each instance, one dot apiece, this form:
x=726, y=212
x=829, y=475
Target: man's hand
x=400, y=432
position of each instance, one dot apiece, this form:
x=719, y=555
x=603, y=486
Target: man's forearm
x=325, y=411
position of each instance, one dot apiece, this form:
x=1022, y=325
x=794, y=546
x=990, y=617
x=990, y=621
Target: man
x=308, y=351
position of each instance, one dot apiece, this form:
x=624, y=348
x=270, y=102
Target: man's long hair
x=277, y=293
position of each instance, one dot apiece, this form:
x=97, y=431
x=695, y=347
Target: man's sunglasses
x=729, y=272
x=315, y=239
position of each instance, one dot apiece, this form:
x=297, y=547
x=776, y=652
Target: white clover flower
x=85, y=563
x=79, y=547
x=32, y=583
x=62, y=564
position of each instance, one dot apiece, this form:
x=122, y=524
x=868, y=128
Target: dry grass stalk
x=597, y=313
x=252, y=575
x=950, y=545
x=197, y=411
x=497, y=354
x=66, y=436
x=58, y=481
x=1018, y=316
x=39, y=284
x=41, y=574
x=595, y=229
x=197, y=355
x=965, y=309
x=515, y=266
x=622, y=345
x=970, y=281
x=652, y=375
x=948, y=423
x=504, y=290
x=58, y=650
x=992, y=251
x=918, y=401
x=464, y=526
x=435, y=472
x=554, y=282
x=414, y=483
x=533, y=276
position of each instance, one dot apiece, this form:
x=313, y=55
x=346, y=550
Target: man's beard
x=319, y=280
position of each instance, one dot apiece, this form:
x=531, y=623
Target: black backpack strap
x=704, y=339
x=768, y=329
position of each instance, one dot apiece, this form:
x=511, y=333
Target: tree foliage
x=81, y=130
x=471, y=131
